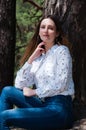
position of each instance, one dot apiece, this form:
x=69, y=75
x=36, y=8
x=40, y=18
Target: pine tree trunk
x=72, y=14
x=7, y=41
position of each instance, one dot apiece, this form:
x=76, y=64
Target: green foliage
x=27, y=16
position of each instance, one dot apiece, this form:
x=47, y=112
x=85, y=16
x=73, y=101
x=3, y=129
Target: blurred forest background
x=27, y=17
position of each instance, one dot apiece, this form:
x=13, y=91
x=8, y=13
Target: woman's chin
x=45, y=40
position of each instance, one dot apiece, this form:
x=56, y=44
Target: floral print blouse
x=51, y=73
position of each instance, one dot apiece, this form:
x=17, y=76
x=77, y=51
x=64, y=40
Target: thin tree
x=7, y=41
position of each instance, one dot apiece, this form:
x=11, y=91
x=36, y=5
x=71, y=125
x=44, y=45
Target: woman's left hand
x=28, y=92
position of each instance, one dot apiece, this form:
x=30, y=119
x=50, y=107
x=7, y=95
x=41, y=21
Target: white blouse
x=51, y=73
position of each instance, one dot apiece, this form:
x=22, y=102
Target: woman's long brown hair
x=35, y=40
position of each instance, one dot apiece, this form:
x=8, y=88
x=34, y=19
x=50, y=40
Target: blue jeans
x=33, y=113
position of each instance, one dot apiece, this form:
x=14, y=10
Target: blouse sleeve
x=63, y=71
x=24, y=77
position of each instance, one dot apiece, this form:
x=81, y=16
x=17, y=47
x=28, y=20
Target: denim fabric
x=33, y=113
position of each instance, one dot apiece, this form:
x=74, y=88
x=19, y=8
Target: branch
x=34, y=4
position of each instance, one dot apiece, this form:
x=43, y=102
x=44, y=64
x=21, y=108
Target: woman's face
x=47, y=31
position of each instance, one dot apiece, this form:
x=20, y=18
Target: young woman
x=47, y=64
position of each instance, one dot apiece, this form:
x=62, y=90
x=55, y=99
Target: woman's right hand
x=38, y=51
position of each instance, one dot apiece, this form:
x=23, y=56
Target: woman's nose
x=46, y=30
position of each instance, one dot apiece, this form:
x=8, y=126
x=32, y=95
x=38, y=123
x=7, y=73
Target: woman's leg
x=55, y=114
x=12, y=96
x=31, y=118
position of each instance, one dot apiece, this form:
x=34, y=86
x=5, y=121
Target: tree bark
x=7, y=41
x=72, y=15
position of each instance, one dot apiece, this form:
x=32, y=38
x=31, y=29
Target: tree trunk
x=7, y=41
x=72, y=14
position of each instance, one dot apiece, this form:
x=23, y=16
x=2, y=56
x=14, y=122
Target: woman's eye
x=42, y=27
x=51, y=28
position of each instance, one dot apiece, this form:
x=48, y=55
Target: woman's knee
x=7, y=90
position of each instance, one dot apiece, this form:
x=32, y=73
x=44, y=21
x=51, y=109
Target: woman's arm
x=24, y=76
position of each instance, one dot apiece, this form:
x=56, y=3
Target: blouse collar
x=51, y=49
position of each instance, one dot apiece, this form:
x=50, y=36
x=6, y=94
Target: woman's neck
x=48, y=46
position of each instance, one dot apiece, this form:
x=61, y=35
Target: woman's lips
x=46, y=36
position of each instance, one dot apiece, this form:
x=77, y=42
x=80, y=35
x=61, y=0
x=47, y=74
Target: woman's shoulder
x=62, y=51
x=61, y=48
